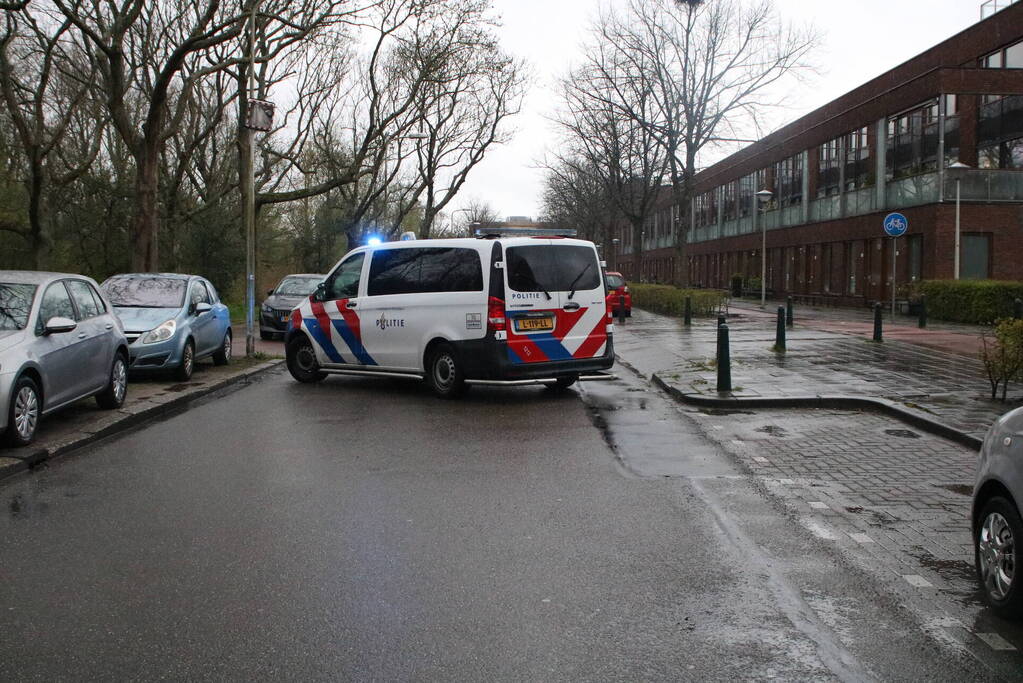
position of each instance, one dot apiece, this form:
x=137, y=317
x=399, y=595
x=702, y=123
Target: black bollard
x=788, y=311
x=923, y=311
x=779, y=335
x=1017, y=309
x=687, y=316
x=724, y=361
x=877, y=323
x=621, y=310
x=721, y=320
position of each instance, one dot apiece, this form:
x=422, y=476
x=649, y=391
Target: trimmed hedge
x=669, y=300
x=980, y=302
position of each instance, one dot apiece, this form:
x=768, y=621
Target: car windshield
x=614, y=281
x=552, y=268
x=15, y=303
x=298, y=286
x=146, y=292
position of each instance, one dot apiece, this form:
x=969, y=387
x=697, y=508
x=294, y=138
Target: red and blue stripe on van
x=539, y=347
x=318, y=323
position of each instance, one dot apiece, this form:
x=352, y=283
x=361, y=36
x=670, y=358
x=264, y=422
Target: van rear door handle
x=572, y=306
x=351, y=304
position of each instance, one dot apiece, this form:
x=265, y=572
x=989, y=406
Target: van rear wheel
x=563, y=382
x=444, y=373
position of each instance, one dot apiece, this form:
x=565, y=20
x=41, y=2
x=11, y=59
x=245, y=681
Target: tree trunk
x=36, y=237
x=145, y=224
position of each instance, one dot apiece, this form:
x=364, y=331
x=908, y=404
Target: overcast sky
x=861, y=40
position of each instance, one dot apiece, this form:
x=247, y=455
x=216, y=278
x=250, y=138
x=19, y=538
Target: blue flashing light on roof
x=373, y=241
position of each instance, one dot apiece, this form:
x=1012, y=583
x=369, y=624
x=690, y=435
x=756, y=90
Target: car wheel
x=184, y=371
x=222, y=356
x=117, y=388
x=301, y=360
x=994, y=544
x=444, y=374
x=564, y=382
x=23, y=413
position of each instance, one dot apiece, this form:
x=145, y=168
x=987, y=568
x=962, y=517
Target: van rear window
x=552, y=268
x=413, y=270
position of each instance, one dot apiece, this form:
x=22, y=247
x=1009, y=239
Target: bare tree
x=696, y=74
x=153, y=55
x=45, y=82
x=605, y=142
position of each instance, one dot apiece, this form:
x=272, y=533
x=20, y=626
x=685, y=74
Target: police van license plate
x=544, y=324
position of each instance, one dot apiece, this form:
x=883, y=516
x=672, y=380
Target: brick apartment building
x=836, y=172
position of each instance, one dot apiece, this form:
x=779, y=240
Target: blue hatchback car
x=171, y=320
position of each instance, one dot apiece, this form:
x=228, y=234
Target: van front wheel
x=444, y=374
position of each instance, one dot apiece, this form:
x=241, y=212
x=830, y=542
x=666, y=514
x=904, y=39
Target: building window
x=706, y=209
x=913, y=141
x=859, y=169
x=789, y=181
x=728, y=199
x=745, y=195
x=999, y=131
x=853, y=253
x=1007, y=58
x=976, y=255
x=829, y=158
x=951, y=129
x=916, y=254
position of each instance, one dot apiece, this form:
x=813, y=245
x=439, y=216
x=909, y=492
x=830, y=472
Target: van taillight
x=496, y=320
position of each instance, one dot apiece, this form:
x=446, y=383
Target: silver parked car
x=59, y=342
x=997, y=495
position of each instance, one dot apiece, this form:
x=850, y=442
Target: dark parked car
x=171, y=320
x=59, y=342
x=277, y=307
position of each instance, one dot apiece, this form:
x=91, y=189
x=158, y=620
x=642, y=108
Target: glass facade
x=913, y=141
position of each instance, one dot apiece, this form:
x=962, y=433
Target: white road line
x=861, y=538
x=918, y=581
x=996, y=642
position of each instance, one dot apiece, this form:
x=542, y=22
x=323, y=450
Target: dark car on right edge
x=276, y=308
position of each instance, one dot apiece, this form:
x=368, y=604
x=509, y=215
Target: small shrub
x=1002, y=355
x=980, y=302
x=669, y=300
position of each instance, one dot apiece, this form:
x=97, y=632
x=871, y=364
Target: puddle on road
x=773, y=430
x=902, y=433
x=20, y=508
x=961, y=489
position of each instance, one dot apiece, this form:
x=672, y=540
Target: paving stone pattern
x=894, y=500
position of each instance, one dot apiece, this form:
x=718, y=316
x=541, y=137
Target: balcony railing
x=991, y=6
x=912, y=191
x=986, y=186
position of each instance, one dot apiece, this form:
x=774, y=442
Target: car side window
x=344, y=282
x=83, y=299
x=100, y=305
x=56, y=302
x=199, y=294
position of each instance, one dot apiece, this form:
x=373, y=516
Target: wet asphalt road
x=361, y=529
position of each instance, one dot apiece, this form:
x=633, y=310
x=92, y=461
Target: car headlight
x=267, y=309
x=161, y=333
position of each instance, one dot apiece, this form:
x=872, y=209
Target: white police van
x=497, y=309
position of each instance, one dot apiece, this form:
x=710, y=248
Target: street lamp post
x=614, y=253
x=958, y=168
x=763, y=197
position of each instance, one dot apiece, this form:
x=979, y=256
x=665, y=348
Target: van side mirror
x=269, y=292
x=321, y=292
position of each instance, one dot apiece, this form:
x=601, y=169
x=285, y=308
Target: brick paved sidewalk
x=945, y=387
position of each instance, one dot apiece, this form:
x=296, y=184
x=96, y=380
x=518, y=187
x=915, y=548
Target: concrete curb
x=39, y=455
x=878, y=405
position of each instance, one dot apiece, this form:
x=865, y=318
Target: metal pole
x=724, y=361
x=877, y=323
x=779, y=331
x=956, y=261
x=895, y=248
x=763, y=257
x=249, y=199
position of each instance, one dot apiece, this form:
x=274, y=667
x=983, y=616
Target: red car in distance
x=616, y=288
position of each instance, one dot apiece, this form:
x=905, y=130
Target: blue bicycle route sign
x=895, y=224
